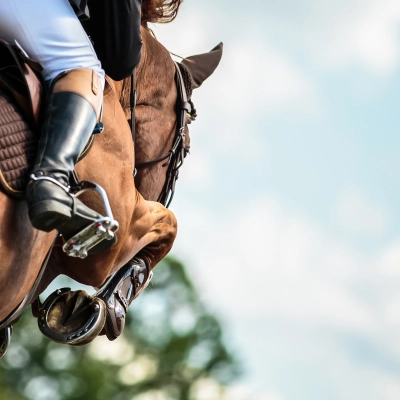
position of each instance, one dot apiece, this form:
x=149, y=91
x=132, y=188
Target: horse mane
x=159, y=11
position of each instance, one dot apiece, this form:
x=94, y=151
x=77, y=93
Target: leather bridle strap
x=132, y=104
x=176, y=155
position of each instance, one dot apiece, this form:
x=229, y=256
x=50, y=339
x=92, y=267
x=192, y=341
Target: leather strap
x=177, y=154
x=133, y=104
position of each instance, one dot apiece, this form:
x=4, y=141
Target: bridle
x=175, y=157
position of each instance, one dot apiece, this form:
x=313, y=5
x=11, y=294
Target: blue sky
x=288, y=204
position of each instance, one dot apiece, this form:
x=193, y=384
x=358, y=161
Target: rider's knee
x=85, y=82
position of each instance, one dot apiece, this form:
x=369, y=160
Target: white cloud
x=336, y=34
x=282, y=262
x=355, y=213
x=343, y=33
x=242, y=392
x=258, y=79
x=198, y=170
x=390, y=260
x=254, y=77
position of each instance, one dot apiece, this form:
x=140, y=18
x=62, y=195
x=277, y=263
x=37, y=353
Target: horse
x=146, y=227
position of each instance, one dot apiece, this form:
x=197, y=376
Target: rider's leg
x=73, y=108
x=50, y=33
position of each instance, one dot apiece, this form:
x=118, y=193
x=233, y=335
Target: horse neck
x=155, y=61
x=155, y=113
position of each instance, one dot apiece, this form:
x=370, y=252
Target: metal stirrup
x=103, y=228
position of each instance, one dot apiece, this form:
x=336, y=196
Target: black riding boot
x=67, y=127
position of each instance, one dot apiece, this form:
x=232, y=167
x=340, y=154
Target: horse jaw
x=201, y=66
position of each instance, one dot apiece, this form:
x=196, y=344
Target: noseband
x=175, y=157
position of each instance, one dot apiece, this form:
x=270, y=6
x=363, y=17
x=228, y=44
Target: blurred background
x=288, y=222
x=288, y=206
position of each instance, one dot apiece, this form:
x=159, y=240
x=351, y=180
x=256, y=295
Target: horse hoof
x=74, y=318
x=5, y=338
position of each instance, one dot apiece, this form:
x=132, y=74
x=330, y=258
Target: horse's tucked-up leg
x=120, y=290
x=148, y=240
x=73, y=107
x=128, y=282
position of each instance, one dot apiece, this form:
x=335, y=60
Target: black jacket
x=114, y=28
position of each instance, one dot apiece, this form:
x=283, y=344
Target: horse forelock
x=159, y=11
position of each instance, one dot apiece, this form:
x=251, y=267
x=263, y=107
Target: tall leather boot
x=72, y=111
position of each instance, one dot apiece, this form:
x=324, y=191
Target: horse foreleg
x=152, y=234
x=151, y=237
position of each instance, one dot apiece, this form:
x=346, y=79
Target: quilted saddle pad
x=18, y=147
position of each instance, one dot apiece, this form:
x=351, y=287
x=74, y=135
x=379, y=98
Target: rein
x=177, y=154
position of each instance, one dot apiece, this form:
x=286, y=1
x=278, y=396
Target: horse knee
x=165, y=230
x=170, y=227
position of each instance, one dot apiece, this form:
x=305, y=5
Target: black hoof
x=73, y=318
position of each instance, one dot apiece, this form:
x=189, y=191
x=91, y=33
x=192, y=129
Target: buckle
x=99, y=128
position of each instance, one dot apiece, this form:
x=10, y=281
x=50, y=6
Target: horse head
x=159, y=100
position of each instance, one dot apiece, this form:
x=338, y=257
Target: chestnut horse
x=146, y=227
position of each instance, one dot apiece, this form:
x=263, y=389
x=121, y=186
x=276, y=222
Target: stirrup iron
x=103, y=228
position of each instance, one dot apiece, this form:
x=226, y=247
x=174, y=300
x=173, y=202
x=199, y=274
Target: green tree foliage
x=170, y=347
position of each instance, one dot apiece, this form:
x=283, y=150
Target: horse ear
x=201, y=66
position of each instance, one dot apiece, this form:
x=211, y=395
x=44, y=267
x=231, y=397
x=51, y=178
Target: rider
x=51, y=33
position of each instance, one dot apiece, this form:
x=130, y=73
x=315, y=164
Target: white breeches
x=50, y=33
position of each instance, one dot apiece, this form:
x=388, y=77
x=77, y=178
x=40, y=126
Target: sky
x=288, y=204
